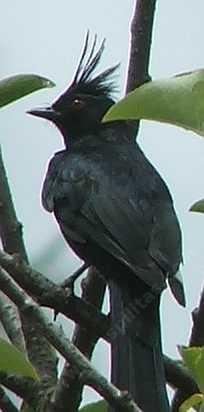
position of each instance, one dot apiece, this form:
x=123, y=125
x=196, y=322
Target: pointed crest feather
x=83, y=82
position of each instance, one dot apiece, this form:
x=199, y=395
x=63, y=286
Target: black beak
x=45, y=112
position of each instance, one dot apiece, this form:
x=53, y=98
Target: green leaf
x=201, y=409
x=100, y=406
x=198, y=206
x=14, y=87
x=13, y=361
x=194, y=360
x=190, y=357
x=191, y=402
x=200, y=371
x=178, y=100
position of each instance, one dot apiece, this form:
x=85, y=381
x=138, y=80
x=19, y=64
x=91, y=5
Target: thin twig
x=87, y=374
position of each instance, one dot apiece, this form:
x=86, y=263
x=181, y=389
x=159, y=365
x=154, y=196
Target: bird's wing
x=118, y=221
x=165, y=248
x=124, y=232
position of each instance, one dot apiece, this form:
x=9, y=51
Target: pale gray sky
x=46, y=38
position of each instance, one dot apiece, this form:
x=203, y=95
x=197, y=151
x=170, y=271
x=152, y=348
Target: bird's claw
x=70, y=281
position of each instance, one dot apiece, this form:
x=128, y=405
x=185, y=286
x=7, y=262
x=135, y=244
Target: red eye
x=78, y=104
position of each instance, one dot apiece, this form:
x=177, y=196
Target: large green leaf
x=194, y=360
x=198, y=206
x=190, y=357
x=200, y=370
x=13, y=361
x=178, y=100
x=14, y=87
x=100, y=406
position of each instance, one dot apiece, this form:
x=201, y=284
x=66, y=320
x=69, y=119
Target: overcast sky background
x=46, y=38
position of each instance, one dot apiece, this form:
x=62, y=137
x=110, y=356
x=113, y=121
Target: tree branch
x=197, y=332
x=87, y=374
x=10, y=320
x=69, y=389
x=140, y=46
x=196, y=339
x=47, y=293
x=178, y=377
x=141, y=39
x=26, y=388
x=10, y=227
x=12, y=240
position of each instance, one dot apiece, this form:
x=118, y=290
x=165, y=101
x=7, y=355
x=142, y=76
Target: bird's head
x=80, y=109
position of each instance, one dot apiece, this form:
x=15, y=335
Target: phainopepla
x=117, y=214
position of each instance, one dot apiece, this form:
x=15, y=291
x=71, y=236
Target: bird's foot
x=70, y=281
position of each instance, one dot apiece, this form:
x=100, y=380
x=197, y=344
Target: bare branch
x=178, y=377
x=140, y=46
x=141, y=38
x=11, y=322
x=197, y=332
x=47, y=293
x=196, y=339
x=12, y=240
x=10, y=227
x=25, y=388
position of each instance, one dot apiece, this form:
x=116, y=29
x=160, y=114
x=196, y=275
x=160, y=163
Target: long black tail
x=137, y=364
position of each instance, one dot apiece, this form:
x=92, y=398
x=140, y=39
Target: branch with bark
x=12, y=241
x=196, y=339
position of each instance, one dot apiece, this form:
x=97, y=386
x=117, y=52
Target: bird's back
x=105, y=192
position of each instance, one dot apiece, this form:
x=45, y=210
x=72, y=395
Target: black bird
x=117, y=214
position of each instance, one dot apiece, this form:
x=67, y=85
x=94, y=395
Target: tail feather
x=137, y=363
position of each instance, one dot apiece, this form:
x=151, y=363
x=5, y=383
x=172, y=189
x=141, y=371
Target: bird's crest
x=84, y=82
